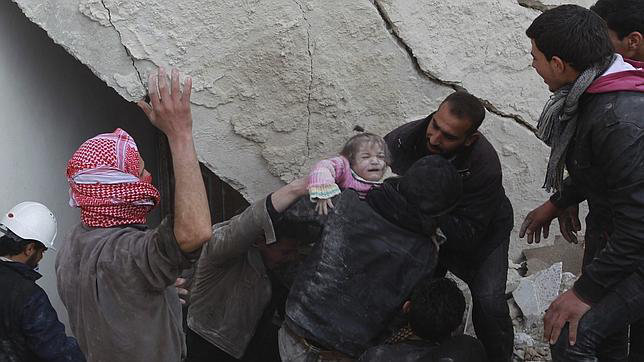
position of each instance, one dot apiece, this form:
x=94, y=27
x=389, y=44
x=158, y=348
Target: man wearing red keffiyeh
x=115, y=275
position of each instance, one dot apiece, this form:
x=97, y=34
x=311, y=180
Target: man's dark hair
x=11, y=244
x=465, y=106
x=622, y=16
x=574, y=34
x=437, y=308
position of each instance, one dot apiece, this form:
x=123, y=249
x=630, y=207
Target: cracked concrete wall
x=280, y=83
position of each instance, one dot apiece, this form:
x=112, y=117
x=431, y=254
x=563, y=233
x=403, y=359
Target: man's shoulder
x=480, y=159
x=398, y=136
x=608, y=109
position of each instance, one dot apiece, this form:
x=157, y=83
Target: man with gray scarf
x=594, y=124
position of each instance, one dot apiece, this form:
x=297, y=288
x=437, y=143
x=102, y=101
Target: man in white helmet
x=29, y=327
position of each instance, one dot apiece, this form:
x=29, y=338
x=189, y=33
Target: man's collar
x=23, y=269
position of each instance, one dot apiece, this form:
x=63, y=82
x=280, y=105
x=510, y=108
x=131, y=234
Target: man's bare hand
x=323, y=205
x=169, y=109
x=181, y=291
x=566, y=308
x=538, y=222
x=569, y=224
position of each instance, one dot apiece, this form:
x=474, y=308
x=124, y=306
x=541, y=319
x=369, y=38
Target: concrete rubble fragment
x=571, y=255
x=535, y=293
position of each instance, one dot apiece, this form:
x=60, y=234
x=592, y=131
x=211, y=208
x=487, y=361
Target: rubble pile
x=531, y=286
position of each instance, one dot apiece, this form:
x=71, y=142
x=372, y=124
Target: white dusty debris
x=527, y=308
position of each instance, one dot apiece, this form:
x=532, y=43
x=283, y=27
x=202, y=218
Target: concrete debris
x=535, y=293
x=523, y=339
x=567, y=281
x=571, y=255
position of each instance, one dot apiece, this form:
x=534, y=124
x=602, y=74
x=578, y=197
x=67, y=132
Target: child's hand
x=323, y=206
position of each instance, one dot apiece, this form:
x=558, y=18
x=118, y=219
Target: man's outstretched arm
x=169, y=111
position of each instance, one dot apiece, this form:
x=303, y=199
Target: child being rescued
x=361, y=166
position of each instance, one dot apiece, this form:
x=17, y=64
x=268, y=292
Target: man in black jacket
x=478, y=229
x=370, y=256
x=29, y=327
x=594, y=124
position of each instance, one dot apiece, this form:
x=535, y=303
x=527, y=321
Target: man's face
x=35, y=257
x=447, y=133
x=547, y=69
x=144, y=175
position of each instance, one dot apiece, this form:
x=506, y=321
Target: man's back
x=356, y=277
x=117, y=286
x=29, y=326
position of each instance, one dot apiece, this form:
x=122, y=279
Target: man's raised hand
x=169, y=108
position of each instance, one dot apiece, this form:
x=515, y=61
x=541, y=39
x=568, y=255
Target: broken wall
x=279, y=84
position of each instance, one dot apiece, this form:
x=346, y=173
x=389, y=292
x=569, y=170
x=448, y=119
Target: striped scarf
x=558, y=121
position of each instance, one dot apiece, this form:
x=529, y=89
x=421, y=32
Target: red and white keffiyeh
x=103, y=176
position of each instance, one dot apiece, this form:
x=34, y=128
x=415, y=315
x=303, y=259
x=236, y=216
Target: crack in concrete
x=127, y=51
x=308, y=102
x=389, y=24
x=535, y=5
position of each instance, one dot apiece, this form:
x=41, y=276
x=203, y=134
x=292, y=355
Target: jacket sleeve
x=466, y=226
x=569, y=195
x=620, y=157
x=232, y=238
x=45, y=335
x=303, y=211
x=325, y=177
x=154, y=254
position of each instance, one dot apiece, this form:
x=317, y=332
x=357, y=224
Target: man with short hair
x=29, y=327
x=435, y=310
x=370, y=256
x=625, y=20
x=239, y=266
x=594, y=124
x=478, y=228
x=116, y=276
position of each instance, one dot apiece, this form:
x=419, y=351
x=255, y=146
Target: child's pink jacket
x=330, y=176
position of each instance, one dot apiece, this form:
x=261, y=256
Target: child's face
x=369, y=162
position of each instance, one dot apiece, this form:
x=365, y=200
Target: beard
x=33, y=261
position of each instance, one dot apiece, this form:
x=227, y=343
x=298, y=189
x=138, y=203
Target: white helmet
x=31, y=221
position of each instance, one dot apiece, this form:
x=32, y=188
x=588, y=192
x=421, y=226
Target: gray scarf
x=558, y=121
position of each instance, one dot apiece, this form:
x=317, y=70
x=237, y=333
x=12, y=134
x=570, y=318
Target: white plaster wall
x=50, y=103
x=281, y=83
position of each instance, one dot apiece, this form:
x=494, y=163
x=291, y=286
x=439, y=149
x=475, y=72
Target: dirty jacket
x=605, y=162
x=483, y=217
x=29, y=327
x=118, y=286
x=231, y=288
x=356, y=277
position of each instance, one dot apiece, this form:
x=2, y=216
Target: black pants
x=263, y=347
x=607, y=318
x=490, y=312
x=606, y=326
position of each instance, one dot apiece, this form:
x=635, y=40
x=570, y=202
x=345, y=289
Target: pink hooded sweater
x=329, y=177
x=622, y=75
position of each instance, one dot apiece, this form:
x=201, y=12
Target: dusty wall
x=50, y=104
x=281, y=83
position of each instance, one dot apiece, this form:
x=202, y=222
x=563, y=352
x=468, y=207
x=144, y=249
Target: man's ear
x=558, y=65
x=30, y=249
x=635, y=40
x=472, y=138
x=406, y=307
